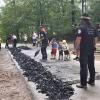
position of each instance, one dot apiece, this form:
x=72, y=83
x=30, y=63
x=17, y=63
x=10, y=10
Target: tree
x=25, y=16
x=95, y=10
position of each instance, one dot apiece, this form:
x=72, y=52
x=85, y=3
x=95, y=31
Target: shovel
x=37, y=52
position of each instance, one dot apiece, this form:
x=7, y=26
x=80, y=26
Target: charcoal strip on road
x=53, y=87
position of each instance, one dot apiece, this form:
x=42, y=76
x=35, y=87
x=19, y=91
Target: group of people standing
x=62, y=47
x=34, y=39
x=85, y=45
x=11, y=39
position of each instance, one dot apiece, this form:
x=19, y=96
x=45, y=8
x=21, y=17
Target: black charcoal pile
x=24, y=48
x=53, y=87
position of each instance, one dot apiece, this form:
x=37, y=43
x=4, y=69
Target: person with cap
x=44, y=43
x=86, y=41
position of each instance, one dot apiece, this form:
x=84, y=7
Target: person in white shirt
x=25, y=39
x=14, y=37
x=34, y=38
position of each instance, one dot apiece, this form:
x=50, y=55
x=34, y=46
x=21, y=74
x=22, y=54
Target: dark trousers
x=6, y=46
x=87, y=63
x=43, y=52
x=61, y=55
x=14, y=42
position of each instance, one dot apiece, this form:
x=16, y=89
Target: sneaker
x=81, y=86
x=51, y=58
x=59, y=59
x=43, y=60
x=76, y=58
x=91, y=83
x=64, y=59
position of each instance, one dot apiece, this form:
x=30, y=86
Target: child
x=66, y=50
x=54, y=48
x=60, y=48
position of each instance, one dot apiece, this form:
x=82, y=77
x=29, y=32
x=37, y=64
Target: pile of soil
x=12, y=84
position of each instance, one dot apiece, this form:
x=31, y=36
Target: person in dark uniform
x=86, y=39
x=44, y=42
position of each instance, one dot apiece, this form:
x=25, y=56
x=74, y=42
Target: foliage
x=25, y=16
x=95, y=10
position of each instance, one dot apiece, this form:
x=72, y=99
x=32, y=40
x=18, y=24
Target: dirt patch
x=12, y=84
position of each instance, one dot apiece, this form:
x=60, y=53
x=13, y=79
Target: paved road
x=66, y=70
x=92, y=92
x=69, y=71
